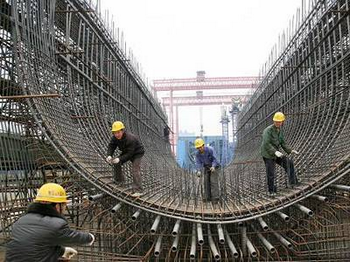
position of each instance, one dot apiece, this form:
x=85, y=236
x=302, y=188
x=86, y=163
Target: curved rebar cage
x=65, y=77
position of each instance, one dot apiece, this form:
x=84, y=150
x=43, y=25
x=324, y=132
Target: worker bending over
x=207, y=164
x=272, y=142
x=131, y=149
x=42, y=234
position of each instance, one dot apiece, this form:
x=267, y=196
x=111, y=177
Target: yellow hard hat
x=52, y=192
x=279, y=117
x=117, y=125
x=198, y=143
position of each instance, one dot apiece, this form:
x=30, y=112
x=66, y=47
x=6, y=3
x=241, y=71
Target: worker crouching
x=131, y=150
x=42, y=233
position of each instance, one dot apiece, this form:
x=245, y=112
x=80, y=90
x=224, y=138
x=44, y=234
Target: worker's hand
x=69, y=252
x=109, y=159
x=93, y=239
x=212, y=169
x=278, y=154
x=199, y=173
x=295, y=152
x=115, y=160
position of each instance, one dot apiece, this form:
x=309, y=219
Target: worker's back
x=40, y=235
x=33, y=236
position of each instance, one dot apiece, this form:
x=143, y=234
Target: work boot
x=272, y=194
x=215, y=200
x=119, y=183
x=137, y=194
x=296, y=184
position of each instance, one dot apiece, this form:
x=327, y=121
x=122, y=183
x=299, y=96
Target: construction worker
x=166, y=132
x=272, y=142
x=131, y=149
x=207, y=164
x=42, y=233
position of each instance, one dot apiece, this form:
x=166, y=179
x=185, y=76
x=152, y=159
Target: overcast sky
x=225, y=38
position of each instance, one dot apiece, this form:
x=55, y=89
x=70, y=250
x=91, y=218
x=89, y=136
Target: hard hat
x=279, y=117
x=198, y=143
x=117, y=125
x=52, y=192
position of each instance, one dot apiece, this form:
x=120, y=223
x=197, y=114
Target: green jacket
x=272, y=140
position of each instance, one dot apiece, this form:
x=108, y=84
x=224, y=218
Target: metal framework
x=243, y=82
x=65, y=78
x=200, y=83
x=169, y=103
x=203, y=100
x=225, y=136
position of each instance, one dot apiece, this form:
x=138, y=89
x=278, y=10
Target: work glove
x=278, y=154
x=199, y=173
x=295, y=152
x=93, y=239
x=69, y=252
x=115, y=160
x=212, y=169
x=109, y=159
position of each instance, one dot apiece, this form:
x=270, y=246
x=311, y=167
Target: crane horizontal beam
x=203, y=100
x=205, y=83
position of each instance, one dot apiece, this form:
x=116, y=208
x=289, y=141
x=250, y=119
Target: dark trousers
x=136, y=174
x=287, y=165
x=211, y=184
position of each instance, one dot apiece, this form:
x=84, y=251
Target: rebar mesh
x=65, y=78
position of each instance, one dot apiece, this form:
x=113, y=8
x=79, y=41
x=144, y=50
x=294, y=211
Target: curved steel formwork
x=65, y=77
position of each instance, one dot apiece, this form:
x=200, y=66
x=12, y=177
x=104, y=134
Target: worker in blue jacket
x=207, y=165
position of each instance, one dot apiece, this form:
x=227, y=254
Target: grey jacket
x=41, y=235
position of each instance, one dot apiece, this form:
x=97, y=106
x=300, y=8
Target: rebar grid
x=310, y=83
x=80, y=119
x=65, y=78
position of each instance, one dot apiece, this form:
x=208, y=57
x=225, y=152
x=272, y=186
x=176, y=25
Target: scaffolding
x=225, y=136
x=66, y=76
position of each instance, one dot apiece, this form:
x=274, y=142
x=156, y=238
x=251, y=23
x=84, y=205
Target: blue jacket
x=207, y=159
